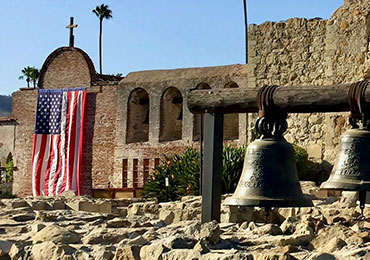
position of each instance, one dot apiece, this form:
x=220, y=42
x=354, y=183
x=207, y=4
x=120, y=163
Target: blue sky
x=143, y=34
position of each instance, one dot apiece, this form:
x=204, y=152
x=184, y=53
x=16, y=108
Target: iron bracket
x=271, y=122
x=359, y=108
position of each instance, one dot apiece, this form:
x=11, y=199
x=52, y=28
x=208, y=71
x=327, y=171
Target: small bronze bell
x=269, y=177
x=352, y=167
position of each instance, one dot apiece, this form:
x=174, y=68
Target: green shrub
x=232, y=160
x=182, y=173
x=301, y=159
x=9, y=168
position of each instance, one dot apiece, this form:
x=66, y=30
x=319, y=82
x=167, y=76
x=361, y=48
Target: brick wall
x=24, y=111
x=100, y=128
x=67, y=67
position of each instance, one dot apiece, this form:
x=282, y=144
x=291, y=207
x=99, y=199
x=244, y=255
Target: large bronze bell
x=269, y=177
x=352, y=167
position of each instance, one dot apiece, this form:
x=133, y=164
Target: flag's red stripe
x=35, y=177
x=72, y=137
x=80, y=141
x=39, y=161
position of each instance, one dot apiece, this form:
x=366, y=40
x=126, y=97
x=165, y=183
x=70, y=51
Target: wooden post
x=213, y=145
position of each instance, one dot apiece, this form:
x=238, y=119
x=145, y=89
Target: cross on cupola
x=71, y=26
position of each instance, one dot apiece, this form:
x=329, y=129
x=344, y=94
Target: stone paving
x=71, y=227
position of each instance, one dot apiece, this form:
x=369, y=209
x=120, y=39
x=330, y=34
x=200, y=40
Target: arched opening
x=197, y=117
x=231, y=121
x=138, y=116
x=171, y=115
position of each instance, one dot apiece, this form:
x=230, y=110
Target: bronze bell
x=269, y=177
x=352, y=167
x=351, y=171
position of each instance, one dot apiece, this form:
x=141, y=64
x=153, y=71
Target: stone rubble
x=82, y=228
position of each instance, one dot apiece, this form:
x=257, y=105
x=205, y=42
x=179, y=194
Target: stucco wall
x=7, y=138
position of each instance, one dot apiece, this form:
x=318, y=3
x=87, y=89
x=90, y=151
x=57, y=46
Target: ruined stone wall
x=312, y=52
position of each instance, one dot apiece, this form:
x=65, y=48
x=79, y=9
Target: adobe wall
x=312, y=52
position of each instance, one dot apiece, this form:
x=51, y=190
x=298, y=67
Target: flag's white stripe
x=35, y=160
x=53, y=165
x=62, y=140
x=71, y=115
x=44, y=164
x=77, y=140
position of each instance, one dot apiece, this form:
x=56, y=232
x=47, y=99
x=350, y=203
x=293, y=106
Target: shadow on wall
x=231, y=121
x=197, y=117
x=86, y=178
x=171, y=115
x=138, y=116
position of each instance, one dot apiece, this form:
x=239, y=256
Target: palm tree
x=27, y=73
x=35, y=74
x=103, y=12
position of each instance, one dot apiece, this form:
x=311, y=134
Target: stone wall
x=312, y=52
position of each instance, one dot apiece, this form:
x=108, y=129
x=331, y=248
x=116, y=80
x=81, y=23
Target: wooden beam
x=294, y=99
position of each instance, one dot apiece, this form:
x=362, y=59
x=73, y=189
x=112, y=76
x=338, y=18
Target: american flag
x=57, y=142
